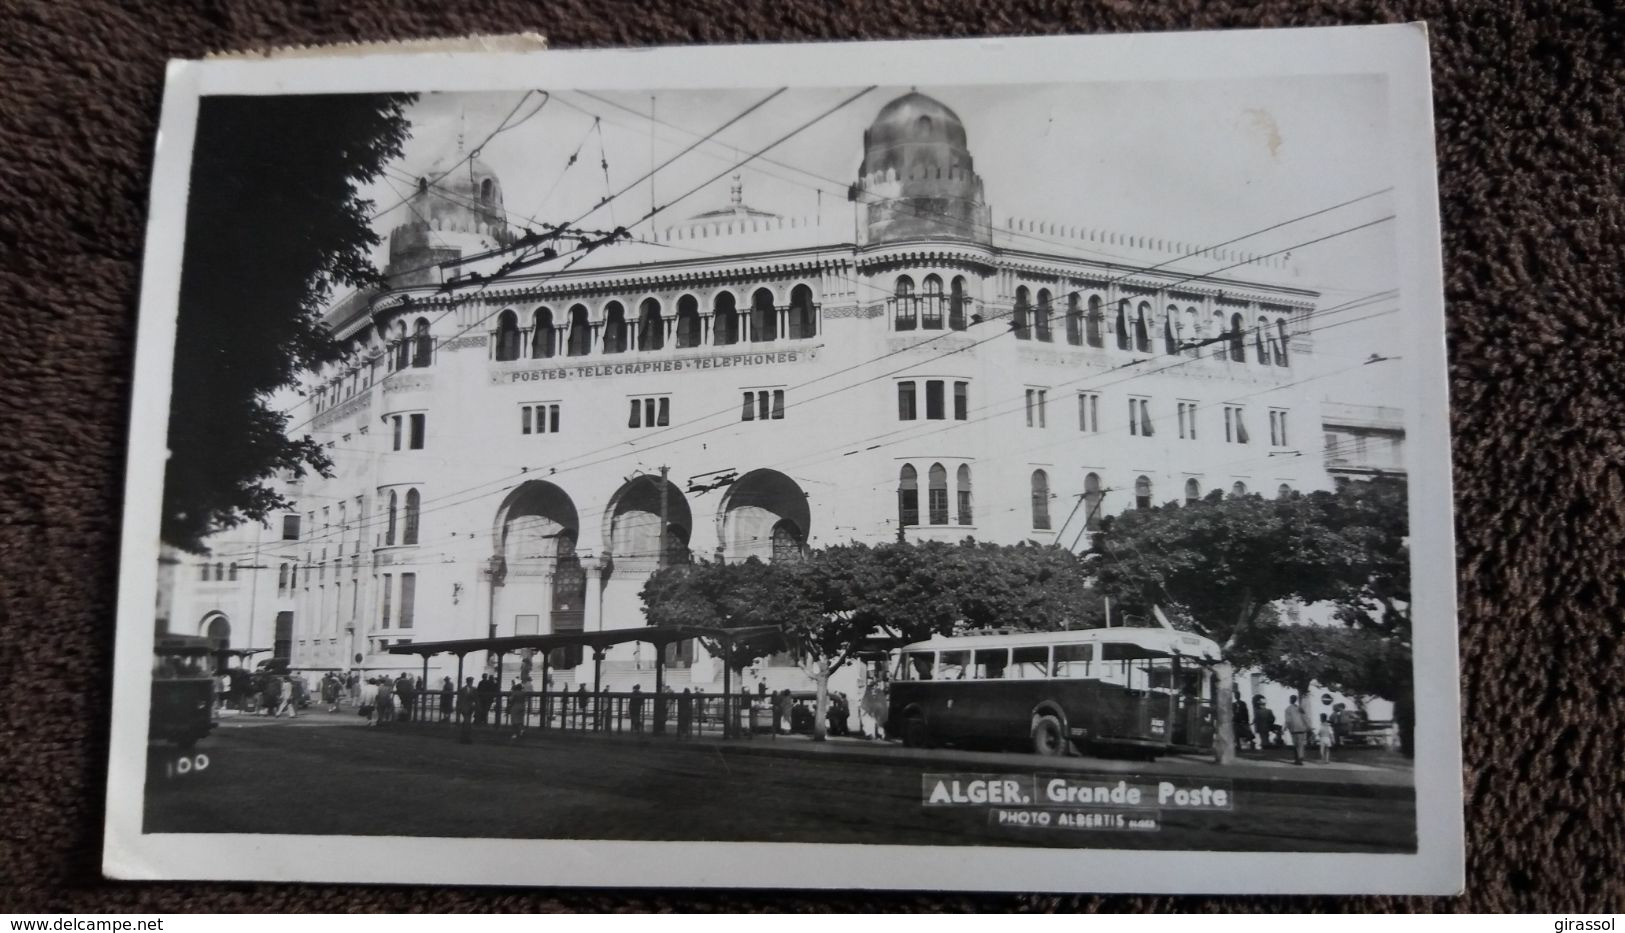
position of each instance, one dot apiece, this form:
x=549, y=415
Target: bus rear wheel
x=1049, y=737
x=914, y=735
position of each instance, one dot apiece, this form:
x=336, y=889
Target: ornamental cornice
x=925, y=253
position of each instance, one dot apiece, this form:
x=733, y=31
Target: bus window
x=1072, y=661
x=1029, y=663
x=990, y=663
x=1117, y=665
x=919, y=665
x=952, y=665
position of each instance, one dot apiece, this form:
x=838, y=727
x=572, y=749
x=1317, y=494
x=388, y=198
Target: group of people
x=799, y=716
x=1297, y=729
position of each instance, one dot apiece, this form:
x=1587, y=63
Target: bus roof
x=1162, y=640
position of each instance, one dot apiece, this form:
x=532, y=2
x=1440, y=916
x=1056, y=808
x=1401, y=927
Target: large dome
x=918, y=180
x=915, y=118
x=460, y=190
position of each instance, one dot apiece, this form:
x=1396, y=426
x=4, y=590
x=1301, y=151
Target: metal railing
x=674, y=714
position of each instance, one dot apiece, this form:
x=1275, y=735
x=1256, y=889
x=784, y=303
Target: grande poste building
x=901, y=366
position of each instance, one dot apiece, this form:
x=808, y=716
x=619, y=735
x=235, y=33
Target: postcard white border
x=1400, y=52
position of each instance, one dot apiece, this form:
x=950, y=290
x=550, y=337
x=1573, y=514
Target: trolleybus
x=182, y=689
x=1134, y=688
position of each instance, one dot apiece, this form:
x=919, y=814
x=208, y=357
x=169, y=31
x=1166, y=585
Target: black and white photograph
x=971, y=465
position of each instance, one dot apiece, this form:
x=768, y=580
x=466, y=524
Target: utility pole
x=660, y=559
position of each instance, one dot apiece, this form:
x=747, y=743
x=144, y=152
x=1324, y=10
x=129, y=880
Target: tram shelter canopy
x=658, y=635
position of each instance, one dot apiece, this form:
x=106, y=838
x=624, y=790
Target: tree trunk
x=1224, y=726
x=821, y=709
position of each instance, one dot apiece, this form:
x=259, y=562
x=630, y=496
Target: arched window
x=1142, y=493
x=1040, y=484
x=931, y=303
x=1193, y=492
x=403, y=350
x=908, y=496
x=803, y=321
x=1074, y=320
x=1170, y=339
x=962, y=491
x=219, y=572
x=651, y=326
x=1094, y=325
x=1281, y=345
x=1258, y=342
x=1238, y=340
x=507, y=336
x=580, y=332
x=724, y=319
x=1239, y=489
x=1220, y=349
x=1042, y=316
x=1283, y=491
x=1093, y=498
x=1021, y=312
x=409, y=533
x=956, y=303
x=487, y=190
x=786, y=542
x=1142, y=328
x=422, y=343
x=1191, y=335
x=688, y=322
x=231, y=571
x=764, y=317
x=614, y=328
x=937, y=494
x=544, y=341
x=1122, y=325
x=281, y=578
x=907, y=315
x=389, y=527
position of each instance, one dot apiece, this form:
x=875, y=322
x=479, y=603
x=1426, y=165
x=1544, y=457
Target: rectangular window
x=937, y=500
x=389, y=581
x=1028, y=663
x=990, y=663
x=290, y=528
x=1187, y=421
x=1235, y=432
x=539, y=419
x=1072, y=661
x=1278, y=428
x=1089, y=412
x=905, y=401
x=762, y=401
x=409, y=592
x=964, y=506
x=778, y=404
x=1036, y=400
x=953, y=665
x=1139, y=417
x=419, y=422
x=934, y=410
x=652, y=412
x=395, y=421
x=748, y=412
x=961, y=401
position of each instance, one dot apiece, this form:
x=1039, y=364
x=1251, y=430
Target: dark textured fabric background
x=1530, y=126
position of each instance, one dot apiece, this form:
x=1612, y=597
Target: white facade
x=1017, y=434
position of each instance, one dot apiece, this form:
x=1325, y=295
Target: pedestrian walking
x=1263, y=721
x=386, y=700
x=1326, y=738
x=1297, y=723
x=635, y=707
x=285, y=697
x=685, y=712
x=1240, y=723
x=448, y=695
x=516, y=708
x=782, y=710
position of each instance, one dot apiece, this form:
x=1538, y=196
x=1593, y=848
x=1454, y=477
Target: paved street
x=330, y=775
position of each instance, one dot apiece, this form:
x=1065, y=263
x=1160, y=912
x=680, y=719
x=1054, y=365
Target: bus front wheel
x=1049, y=736
x=914, y=732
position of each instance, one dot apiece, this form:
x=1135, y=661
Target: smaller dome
x=461, y=185
x=916, y=118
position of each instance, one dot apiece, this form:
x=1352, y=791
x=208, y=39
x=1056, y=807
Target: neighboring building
x=904, y=370
x=1363, y=441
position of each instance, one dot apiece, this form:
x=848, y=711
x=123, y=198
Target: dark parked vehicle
x=182, y=690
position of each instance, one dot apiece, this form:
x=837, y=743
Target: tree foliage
x=274, y=222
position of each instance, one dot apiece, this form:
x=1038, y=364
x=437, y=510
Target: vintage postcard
x=1013, y=464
